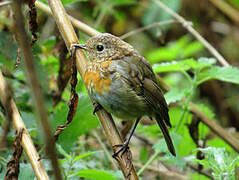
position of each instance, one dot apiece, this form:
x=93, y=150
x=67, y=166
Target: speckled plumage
x=123, y=82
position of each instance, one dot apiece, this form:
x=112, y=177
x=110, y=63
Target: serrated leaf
x=83, y=121
x=175, y=95
x=94, y=174
x=176, y=66
x=226, y=74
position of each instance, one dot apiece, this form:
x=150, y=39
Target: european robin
x=122, y=81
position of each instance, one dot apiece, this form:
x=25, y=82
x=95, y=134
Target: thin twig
x=5, y=3
x=217, y=129
x=78, y=24
x=96, y=135
x=26, y=142
x=203, y=172
x=22, y=40
x=156, y=24
x=164, y=173
x=227, y=9
x=189, y=27
x=203, y=116
x=69, y=36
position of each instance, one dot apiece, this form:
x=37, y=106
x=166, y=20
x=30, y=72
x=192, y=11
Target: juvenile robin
x=122, y=81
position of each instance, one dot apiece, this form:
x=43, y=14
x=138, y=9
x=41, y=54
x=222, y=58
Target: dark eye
x=100, y=47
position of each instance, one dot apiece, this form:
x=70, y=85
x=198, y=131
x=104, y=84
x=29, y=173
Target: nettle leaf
x=94, y=174
x=184, y=65
x=175, y=66
x=83, y=121
x=175, y=95
x=226, y=74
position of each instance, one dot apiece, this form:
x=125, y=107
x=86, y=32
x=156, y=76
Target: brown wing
x=143, y=78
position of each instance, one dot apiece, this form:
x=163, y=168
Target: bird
x=122, y=81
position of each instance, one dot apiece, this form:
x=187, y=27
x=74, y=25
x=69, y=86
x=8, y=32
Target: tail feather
x=166, y=135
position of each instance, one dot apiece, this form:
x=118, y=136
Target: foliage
x=218, y=160
x=182, y=62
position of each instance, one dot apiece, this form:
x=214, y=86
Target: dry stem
x=22, y=40
x=26, y=142
x=106, y=120
x=228, y=138
x=227, y=9
x=156, y=24
x=189, y=27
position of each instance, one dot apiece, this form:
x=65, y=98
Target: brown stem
x=23, y=43
x=26, y=141
x=206, y=120
x=69, y=36
x=227, y=9
x=189, y=27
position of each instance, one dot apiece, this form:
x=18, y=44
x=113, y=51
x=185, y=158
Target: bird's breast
x=97, y=77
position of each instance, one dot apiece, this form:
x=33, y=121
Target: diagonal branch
x=227, y=137
x=189, y=27
x=69, y=36
x=26, y=142
x=23, y=43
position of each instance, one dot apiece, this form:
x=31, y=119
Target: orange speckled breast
x=95, y=80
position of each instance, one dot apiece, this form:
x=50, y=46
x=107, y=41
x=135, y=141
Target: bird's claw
x=124, y=148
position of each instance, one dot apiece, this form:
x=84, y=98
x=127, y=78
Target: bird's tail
x=166, y=135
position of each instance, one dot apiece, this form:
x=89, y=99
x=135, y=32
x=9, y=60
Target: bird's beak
x=81, y=46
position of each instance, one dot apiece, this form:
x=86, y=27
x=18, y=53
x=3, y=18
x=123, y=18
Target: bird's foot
x=124, y=148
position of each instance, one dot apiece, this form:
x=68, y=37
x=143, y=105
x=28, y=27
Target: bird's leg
x=125, y=147
x=97, y=107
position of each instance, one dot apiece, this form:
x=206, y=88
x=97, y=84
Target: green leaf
x=83, y=121
x=227, y=74
x=63, y=152
x=184, y=65
x=77, y=158
x=175, y=66
x=122, y=2
x=94, y=174
x=192, y=49
x=175, y=94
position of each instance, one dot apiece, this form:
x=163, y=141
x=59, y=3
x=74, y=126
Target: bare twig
x=227, y=9
x=205, y=119
x=189, y=27
x=5, y=3
x=8, y=115
x=35, y=86
x=106, y=120
x=26, y=141
x=203, y=172
x=156, y=24
x=78, y=24
x=164, y=173
x=96, y=135
x=217, y=129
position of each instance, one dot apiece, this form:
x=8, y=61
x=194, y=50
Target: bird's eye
x=100, y=47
